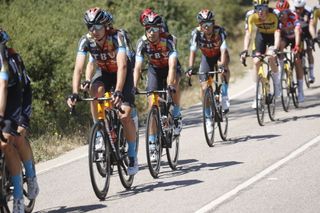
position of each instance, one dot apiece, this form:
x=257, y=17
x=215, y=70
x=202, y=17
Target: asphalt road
x=259, y=169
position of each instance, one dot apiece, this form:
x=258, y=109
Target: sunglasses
x=95, y=27
x=206, y=24
x=261, y=7
x=152, y=29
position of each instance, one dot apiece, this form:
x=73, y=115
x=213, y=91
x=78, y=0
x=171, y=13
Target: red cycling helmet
x=282, y=5
x=144, y=14
x=152, y=19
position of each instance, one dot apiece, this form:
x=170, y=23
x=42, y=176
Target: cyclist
x=211, y=40
x=315, y=15
x=164, y=27
x=304, y=15
x=108, y=47
x=267, y=39
x=14, y=97
x=291, y=35
x=161, y=52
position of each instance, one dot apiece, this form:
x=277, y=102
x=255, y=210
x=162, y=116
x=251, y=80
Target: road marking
x=213, y=204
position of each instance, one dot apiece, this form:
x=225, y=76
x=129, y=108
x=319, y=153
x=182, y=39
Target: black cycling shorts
x=24, y=119
x=263, y=41
x=157, y=78
x=109, y=80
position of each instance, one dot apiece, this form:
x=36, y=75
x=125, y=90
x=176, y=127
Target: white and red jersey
x=288, y=26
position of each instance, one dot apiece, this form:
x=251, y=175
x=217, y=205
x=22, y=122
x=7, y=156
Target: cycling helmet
x=145, y=13
x=299, y=3
x=205, y=15
x=97, y=16
x=282, y=5
x=4, y=37
x=259, y=2
x=152, y=19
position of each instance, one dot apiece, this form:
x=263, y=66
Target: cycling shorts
x=157, y=77
x=263, y=41
x=24, y=119
x=109, y=80
x=206, y=65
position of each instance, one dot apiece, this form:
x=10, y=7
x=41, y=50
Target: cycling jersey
x=268, y=26
x=105, y=56
x=287, y=28
x=209, y=47
x=158, y=54
x=315, y=15
x=304, y=19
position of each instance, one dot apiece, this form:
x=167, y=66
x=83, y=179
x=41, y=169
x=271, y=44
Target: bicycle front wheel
x=306, y=72
x=173, y=148
x=271, y=98
x=285, y=88
x=153, y=141
x=223, y=125
x=294, y=90
x=122, y=151
x=260, y=101
x=208, y=110
x=5, y=187
x=99, y=161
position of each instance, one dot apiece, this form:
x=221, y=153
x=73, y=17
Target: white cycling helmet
x=299, y=3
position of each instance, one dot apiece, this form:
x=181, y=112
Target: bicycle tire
x=260, y=101
x=208, y=103
x=285, y=88
x=4, y=188
x=223, y=125
x=100, y=190
x=28, y=203
x=271, y=98
x=173, y=151
x=122, y=151
x=306, y=72
x=154, y=166
x=294, y=91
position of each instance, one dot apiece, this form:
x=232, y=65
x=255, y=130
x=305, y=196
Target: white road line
x=213, y=204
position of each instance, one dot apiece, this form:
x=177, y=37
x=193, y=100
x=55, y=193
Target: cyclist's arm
x=122, y=68
x=139, y=62
x=172, y=62
x=246, y=40
x=277, y=38
x=4, y=77
x=313, y=28
x=193, y=48
x=77, y=72
x=90, y=68
x=297, y=35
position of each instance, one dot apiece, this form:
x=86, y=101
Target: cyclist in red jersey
x=162, y=68
x=108, y=47
x=291, y=35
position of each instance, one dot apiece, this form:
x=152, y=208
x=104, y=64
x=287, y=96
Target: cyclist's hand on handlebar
x=221, y=68
x=296, y=49
x=72, y=99
x=171, y=89
x=117, y=98
x=243, y=56
x=85, y=85
x=189, y=72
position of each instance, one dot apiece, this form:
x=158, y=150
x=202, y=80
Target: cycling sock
x=152, y=138
x=176, y=111
x=224, y=89
x=311, y=66
x=132, y=149
x=30, y=172
x=300, y=86
x=17, y=187
x=134, y=117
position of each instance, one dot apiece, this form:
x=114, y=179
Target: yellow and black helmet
x=260, y=2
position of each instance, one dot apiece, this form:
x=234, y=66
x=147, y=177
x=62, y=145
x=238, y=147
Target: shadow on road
x=63, y=209
x=251, y=137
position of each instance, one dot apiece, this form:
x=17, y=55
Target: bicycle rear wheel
x=260, y=101
x=208, y=111
x=285, y=88
x=154, y=150
x=122, y=150
x=4, y=187
x=99, y=162
x=28, y=203
x=173, y=150
x=271, y=98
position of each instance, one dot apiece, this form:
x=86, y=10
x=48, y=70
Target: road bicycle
x=6, y=187
x=304, y=58
x=160, y=125
x=114, y=151
x=265, y=89
x=212, y=106
x=289, y=85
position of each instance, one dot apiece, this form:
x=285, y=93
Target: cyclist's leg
x=310, y=55
x=225, y=80
x=96, y=90
x=13, y=162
